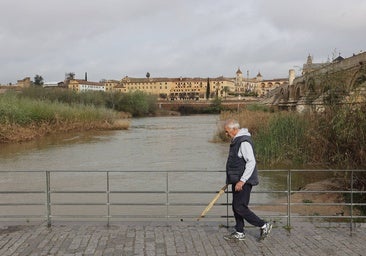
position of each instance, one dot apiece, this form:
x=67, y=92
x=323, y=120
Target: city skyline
x=113, y=39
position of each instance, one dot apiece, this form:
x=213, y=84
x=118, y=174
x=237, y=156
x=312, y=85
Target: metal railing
x=180, y=195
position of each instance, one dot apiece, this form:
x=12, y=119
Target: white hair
x=232, y=124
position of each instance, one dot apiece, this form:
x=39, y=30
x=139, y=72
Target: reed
x=137, y=103
x=333, y=139
x=253, y=120
x=281, y=142
x=24, y=111
x=340, y=137
x=24, y=118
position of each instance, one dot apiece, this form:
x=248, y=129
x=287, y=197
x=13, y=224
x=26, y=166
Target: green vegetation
x=334, y=139
x=23, y=118
x=186, y=108
x=283, y=139
x=37, y=111
x=25, y=111
x=259, y=107
x=307, y=201
x=136, y=103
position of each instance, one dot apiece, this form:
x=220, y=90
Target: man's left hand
x=239, y=185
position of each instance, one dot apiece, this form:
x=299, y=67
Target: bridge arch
x=310, y=85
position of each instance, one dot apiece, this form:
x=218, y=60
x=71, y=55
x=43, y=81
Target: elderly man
x=241, y=172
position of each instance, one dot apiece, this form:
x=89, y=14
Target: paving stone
x=161, y=238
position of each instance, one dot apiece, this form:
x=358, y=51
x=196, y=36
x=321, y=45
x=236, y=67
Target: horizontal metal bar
x=329, y=204
x=115, y=171
x=22, y=192
x=168, y=203
x=322, y=191
x=21, y=216
x=270, y=192
x=77, y=191
x=104, y=191
x=179, y=171
x=20, y=204
x=180, y=192
x=80, y=216
x=191, y=192
x=136, y=192
x=78, y=204
x=329, y=216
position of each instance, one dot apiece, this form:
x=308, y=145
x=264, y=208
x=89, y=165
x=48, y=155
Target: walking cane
x=209, y=206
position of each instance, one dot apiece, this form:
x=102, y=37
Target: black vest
x=235, y=165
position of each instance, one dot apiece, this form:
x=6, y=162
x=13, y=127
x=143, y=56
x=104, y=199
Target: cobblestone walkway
x=167, y=238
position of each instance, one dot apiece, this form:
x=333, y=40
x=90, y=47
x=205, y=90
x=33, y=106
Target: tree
x=148, y=75
x=226, y=90
x=69, y=76
x=38, y=80
x=208, y=89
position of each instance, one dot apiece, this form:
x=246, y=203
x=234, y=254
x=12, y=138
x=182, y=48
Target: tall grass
x=342, y=132
x=333, y=139
x=253, y=120
x=23, y=111
x=281, y=141
x=136, y=103
x=24, y=119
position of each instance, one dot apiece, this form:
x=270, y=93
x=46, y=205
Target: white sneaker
x=235, y=236
x=266, y=230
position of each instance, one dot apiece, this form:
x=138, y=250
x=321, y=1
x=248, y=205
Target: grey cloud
x=171, y=38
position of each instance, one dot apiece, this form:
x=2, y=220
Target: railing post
x=167, y=195
x=289, y=198
x=48, y=198
x=227, y=207
x=351, y=212
x=108, y=201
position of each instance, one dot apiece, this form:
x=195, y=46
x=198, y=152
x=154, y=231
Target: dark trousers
x=241, y=210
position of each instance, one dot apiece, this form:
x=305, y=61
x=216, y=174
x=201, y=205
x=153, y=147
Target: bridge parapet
x=344, y=77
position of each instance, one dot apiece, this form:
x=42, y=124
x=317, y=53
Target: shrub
x=137, y=103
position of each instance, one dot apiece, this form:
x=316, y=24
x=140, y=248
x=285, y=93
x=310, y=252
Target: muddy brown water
x=167, y=149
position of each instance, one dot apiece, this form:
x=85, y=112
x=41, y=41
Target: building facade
x=24, y=83
x=184, y=88
x=83, y=85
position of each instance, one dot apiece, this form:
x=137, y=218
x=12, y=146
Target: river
x=178, y=145
x=172, y=143
x=151, y=143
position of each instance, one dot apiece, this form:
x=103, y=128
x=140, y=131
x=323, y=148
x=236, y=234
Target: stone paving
x=178, y=238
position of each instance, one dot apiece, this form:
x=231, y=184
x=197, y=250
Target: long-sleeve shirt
x=246, y=152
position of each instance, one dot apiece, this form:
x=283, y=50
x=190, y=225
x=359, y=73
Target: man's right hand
x=239, y=185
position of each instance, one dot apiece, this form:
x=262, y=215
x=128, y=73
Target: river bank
x=307, y=199
x=23, y=119
x=14, y=133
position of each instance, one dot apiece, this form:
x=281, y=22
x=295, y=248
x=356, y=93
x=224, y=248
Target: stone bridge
x=342, y=81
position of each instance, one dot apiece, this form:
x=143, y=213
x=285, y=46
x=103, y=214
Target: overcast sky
x=110, y=39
